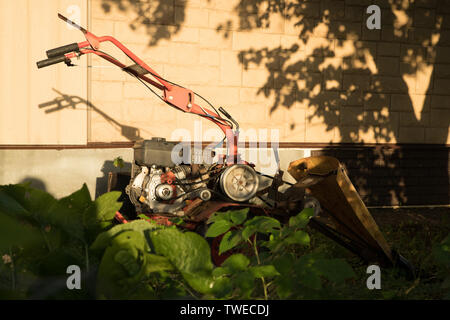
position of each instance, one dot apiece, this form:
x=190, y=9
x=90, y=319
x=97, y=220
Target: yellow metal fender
x=343, y=210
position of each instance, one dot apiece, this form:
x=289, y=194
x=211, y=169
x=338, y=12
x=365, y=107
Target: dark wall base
x=399, y=175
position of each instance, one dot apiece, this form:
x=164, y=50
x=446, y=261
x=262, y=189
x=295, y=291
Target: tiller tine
x=344, y=216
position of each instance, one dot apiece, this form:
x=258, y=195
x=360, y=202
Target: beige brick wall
x=35, y=104
x=337, y=82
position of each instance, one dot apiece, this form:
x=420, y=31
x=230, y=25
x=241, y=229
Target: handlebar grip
x=49, y=62
x=56, y=52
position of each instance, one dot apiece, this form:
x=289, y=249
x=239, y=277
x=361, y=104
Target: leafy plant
x=118, y=162
x=138, y=253
x=41, y=236
x=292, y=274
x=441, y=253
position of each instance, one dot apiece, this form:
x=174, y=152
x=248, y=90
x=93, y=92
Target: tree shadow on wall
x=161, y=19
x=364, y=85
x=64, y=101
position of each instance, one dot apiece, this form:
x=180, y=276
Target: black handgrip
x=49, y=62
x=63, y=50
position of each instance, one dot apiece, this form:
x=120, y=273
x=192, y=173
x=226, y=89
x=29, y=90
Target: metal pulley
x=239, y=182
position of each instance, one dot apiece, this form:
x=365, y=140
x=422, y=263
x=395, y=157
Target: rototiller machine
x=162, y=186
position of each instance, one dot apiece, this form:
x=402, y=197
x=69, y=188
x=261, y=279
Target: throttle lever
x=226, y=114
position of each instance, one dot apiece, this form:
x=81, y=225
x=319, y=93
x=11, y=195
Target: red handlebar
x=173, y=95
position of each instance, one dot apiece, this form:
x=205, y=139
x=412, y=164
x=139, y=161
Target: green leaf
x=189, y=253
x=248, y=231
x=216, y=216
x=236, y=262
x=221, y=271
x=128, y=261
x=68, y=219
x=39, y=204
x=284, y=286
x=134, y=240
x=99, y=216
x=68, y=213
x=126, y=266
x=302, y=219
x=155, y=263
x=245, y=281
x=177, y=220
x=335, y=270
x=306, y=271
x=11, y=200
x=118, y=162
x=441, y=252
x=123, y=265
x=229, y=241
x=239, y=216
x=298, y=237
x=13, y=232
x=110, y=274
x=143, y=216
x=310, y=279
x=310, y=267
x=80, y=199
x=264, y=271
x=107, y=205
x=222, y=287
x=217, y=228
x=263, y=224
x=55, y=262
x=114, y=280
x=284, y=263
x=104, y=238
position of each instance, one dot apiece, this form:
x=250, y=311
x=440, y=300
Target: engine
x=166, y=174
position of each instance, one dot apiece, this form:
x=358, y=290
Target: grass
x=413, y=233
